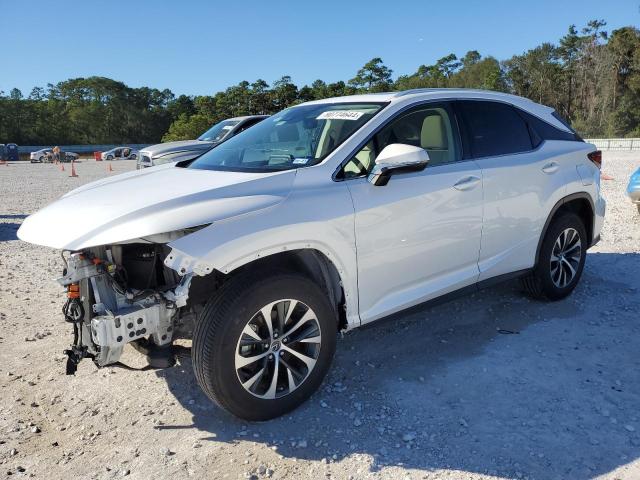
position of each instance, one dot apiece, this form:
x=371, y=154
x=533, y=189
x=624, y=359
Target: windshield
x=296, y=137
x=218, y=131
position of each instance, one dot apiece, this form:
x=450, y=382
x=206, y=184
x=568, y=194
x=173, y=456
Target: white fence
x=615, y=143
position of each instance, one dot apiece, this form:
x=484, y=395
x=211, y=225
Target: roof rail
x=462, y=90
x=434, y=90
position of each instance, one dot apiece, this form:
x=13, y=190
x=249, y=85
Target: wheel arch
x=579, y=203
x=314, y=264
x=310, y=261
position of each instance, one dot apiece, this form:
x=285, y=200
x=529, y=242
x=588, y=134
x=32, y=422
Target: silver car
x=46, y=155
x=120, y=153
x=41, y=156
x=189, y=149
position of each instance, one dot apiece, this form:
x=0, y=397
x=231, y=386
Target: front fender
x=310, y=218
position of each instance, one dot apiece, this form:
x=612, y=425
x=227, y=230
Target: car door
x=519, y=181
x=418, y=236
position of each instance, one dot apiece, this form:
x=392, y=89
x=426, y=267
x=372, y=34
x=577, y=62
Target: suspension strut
x=73, y=312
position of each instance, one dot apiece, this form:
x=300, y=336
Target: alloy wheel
x=278, y=349
x=565, y=257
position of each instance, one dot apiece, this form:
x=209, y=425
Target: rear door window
x=493, y=128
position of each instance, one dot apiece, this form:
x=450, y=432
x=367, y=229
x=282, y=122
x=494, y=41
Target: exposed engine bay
x=123, y=294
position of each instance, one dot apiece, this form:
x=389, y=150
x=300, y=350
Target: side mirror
x=397, y=158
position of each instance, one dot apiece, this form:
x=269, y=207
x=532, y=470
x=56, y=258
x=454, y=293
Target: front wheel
x=562, y=256
x=110, y=157
x=263, y=346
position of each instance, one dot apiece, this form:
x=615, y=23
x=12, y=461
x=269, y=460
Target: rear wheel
x=263, y=346
x=562, y=256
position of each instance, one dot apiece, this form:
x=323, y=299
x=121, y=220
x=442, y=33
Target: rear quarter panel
x=518, y=199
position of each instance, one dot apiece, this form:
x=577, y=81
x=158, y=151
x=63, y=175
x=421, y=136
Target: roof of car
x=408, y=96
x=427, y=93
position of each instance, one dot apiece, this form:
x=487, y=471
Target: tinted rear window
x=561, y=119
x=541, y=130
x=494, y=128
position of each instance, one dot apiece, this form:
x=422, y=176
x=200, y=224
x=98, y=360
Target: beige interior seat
x=434, y=139
x=365, y=157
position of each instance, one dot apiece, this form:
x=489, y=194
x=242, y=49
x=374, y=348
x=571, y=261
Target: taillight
x=596, y=158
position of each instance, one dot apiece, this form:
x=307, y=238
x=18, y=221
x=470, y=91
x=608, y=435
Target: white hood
x=151, y=201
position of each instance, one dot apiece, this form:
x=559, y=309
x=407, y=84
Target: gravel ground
x=492, y=385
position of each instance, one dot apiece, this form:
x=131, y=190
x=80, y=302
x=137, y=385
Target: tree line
x=591, y=77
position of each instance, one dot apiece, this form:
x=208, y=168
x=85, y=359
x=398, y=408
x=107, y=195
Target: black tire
x=540, y=284
x=133, y=157
x=109, y=157
x=219, y=328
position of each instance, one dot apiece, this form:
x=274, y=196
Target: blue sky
x=200, y=47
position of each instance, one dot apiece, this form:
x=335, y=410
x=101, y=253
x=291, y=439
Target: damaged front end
x=123, y=294
x=124, y=285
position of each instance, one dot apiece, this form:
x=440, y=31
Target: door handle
x=466, y=183
x=550, y=167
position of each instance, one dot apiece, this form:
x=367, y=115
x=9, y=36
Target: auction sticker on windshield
x=340, y=115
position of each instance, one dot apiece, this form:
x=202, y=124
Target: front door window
x=429, y=126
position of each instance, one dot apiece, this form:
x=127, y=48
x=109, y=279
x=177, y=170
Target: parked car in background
x=423, y=193
x=120, y=153
x=41, y=156
x=3, y=153
x=188, y=149
x=68, y=156
x=633, y=189
x=45, y=155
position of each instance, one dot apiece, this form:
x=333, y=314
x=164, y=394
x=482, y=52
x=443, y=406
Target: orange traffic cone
x=73, y=169
x=109, y=167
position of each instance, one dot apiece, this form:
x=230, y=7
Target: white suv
x=326, y=216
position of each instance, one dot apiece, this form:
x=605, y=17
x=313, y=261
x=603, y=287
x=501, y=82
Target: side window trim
x=530, y=119
x=463, y=132
x=446, y=103
x=532, y=131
